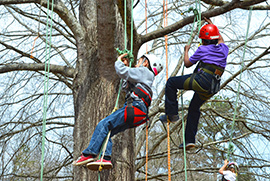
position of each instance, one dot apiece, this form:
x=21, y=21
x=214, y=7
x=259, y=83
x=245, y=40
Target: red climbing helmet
x=209, y=32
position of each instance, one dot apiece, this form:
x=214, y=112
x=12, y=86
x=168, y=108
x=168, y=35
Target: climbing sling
x=134, y=116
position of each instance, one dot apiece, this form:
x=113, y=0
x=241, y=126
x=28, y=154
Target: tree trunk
x=96, y=87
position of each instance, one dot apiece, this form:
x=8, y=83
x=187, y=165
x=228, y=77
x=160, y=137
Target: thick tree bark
x=96, y=87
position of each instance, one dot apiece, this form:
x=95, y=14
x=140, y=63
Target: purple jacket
x=212, y=54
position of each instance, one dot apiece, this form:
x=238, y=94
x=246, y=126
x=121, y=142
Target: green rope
x=183, y=126
x=130, y=53
x=197, y=17
x=131, y=28
x=118, y=95
x=230, y=147
x=102, y=152
x=46, y=81
x=125, y=19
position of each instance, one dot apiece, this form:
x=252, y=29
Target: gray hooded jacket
x=140, y=77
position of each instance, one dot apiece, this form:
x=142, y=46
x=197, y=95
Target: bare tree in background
x=83, y=88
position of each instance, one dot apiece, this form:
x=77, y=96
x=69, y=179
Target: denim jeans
x=201, y=85
x=114, y=122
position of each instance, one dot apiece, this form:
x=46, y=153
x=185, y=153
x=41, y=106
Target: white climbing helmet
x=233, y=165
x=155, y=64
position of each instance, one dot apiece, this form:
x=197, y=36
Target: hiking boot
x=171, y=118
x=105, y=164
x=82, y=160
x=188, y=146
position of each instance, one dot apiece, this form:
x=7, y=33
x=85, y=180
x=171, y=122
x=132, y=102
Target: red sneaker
x=105, y=164
x=82, y=160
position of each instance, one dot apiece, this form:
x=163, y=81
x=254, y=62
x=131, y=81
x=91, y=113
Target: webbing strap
x=191, y=80
x=211, y=67
x=146, y=98
x=134, y=116
x=130, y=114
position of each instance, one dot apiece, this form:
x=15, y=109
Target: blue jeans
x=201, y=85
x=114, y=122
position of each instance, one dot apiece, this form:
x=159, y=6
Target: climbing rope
x=131, y=60
x=165, y=17
x=46, y=80
x=197, y=17
x=231, y=147
x=146, y=129
x=146, y=150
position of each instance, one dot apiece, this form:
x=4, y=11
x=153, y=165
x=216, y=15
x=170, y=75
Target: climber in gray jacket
x=137, y=84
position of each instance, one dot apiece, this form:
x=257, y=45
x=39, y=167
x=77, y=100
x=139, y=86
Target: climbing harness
x=212, y=69
x=46, y=80
x=133, y=115
x=216, y=73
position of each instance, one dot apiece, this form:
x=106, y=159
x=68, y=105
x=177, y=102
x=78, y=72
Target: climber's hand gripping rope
x=127, y=54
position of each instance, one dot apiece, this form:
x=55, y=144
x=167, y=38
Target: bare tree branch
x=221, y=3
x=266, y=52
x=60, y=9
x=63, y=70
x=211, y=13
